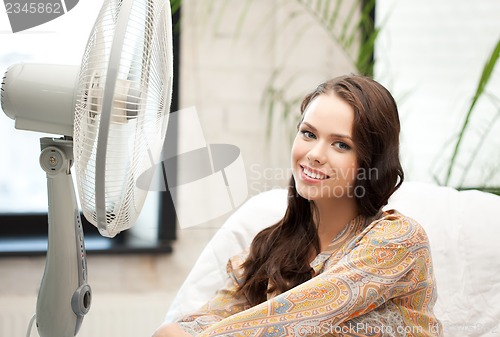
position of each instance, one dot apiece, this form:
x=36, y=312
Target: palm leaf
x=483, y=81
x=344, y=30
x=482, y=140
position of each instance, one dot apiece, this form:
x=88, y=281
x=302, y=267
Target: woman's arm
x=388, y=262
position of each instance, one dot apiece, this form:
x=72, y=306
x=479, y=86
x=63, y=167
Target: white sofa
x=463, y=229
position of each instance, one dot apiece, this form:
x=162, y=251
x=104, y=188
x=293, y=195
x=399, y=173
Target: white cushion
x=209, y=272
x=463, y=228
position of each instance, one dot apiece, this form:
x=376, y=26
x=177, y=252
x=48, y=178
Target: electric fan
x=112, y=112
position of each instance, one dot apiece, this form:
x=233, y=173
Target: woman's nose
x=316, y=156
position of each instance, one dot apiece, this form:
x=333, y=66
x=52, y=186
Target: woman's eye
x=342, y=146
x=308, y=134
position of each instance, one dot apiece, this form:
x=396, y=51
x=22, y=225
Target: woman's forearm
x=170, y=330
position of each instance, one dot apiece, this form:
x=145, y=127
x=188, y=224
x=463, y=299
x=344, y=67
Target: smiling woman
x=323, y=153
x=336, y=263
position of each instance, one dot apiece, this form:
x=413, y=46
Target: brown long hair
x=279, y=255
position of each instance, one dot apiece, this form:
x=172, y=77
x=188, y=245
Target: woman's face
x=324, y=161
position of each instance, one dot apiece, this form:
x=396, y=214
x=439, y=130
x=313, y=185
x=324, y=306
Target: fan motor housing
x=41, y=97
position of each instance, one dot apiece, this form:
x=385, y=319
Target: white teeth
x=314, y=175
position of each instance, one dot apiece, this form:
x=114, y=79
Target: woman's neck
x=333, y=217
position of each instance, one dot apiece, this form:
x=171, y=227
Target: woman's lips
x=310, y=174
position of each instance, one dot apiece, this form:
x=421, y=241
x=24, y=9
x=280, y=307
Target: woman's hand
x=170, y=330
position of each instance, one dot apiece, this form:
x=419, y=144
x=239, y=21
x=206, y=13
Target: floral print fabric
x=374, y=279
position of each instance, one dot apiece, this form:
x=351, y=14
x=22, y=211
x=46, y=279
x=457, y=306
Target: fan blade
x=120, y=129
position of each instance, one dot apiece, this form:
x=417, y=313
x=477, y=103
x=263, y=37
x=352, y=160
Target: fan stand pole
x=64, y=296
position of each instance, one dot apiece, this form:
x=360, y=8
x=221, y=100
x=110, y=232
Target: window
x=23, y=194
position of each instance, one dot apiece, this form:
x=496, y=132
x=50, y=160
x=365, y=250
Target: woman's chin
x=314, y=193
x=310, y=193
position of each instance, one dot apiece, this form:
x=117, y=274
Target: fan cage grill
x=139, y=113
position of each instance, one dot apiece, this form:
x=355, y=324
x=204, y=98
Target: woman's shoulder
x=392, y=226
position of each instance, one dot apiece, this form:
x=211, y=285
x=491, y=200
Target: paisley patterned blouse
x=374, y=279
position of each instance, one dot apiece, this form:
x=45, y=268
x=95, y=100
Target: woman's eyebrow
x=332, y=135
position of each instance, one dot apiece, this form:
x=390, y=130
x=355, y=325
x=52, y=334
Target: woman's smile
x=324, y=157
x=311, y=175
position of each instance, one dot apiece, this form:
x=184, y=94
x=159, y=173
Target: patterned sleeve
x=225, y=303
x=387, y=261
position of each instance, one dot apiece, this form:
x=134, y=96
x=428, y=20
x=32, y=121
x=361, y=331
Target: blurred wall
x=231, y=52
x=431, y=54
